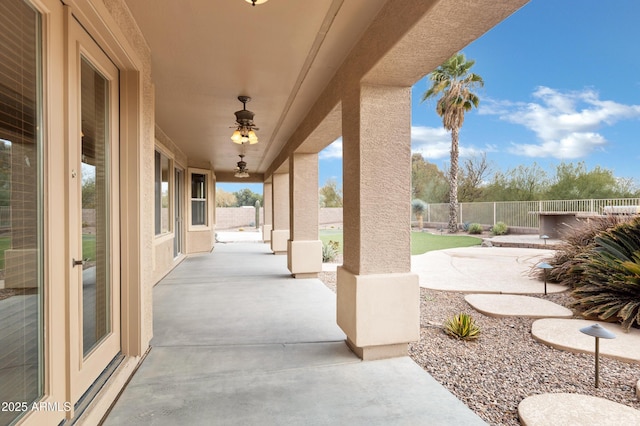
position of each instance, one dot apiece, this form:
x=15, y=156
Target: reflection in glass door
x=22, y=321
x=95, y=206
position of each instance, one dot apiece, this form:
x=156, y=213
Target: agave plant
x=462, y=326
x=610, y=271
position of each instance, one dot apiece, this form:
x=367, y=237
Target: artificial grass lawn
x=421, y=242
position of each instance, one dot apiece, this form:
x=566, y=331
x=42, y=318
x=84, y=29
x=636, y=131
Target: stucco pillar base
x=371, y=353
x=279, y=239
x=379, y=313
x=266, y=233
x=304, y=258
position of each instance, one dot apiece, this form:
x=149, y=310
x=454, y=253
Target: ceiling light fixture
x=241, y=169
x=254, y=2
x=245, y=129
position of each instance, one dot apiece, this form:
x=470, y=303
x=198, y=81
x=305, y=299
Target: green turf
x=421, y=242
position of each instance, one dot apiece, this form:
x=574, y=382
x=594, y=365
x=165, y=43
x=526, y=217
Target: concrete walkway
x=483, y=270
x=237, y=341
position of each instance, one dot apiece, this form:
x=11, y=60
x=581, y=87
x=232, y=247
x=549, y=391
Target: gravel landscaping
x=505, y=365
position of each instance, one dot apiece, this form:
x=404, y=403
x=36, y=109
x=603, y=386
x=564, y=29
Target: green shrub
x=475, y=228
x=462, y=326
x=329, y=251
x=610, y=270
x=500, y=228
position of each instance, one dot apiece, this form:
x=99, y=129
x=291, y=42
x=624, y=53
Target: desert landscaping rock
x=506, y=305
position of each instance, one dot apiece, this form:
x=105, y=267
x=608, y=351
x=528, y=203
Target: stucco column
x=279, y=212
x=268, y=202
x=304, y=254
x=378, y=297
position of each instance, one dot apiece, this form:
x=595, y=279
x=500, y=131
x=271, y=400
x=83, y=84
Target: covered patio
x=238, y=341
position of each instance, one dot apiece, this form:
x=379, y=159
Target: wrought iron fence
x=525, y=214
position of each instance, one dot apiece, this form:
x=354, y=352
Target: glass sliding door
x=21, y=200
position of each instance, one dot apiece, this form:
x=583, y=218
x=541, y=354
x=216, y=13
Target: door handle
x=75, y=263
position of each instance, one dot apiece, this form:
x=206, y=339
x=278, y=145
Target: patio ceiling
x=282, y=54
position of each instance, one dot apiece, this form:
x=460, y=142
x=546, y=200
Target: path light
x=545, y=238
x=597, y=331
x=544, y=266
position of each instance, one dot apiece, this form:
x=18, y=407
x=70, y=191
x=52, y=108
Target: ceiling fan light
x=254, y=2
x=236, y=137
x=252, y=137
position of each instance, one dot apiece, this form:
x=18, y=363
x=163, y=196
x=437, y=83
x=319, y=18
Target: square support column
x=280, y=212
x=378, y=297
x=268, y=214
x=304, y=257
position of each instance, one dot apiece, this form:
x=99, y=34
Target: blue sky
x=562, y=83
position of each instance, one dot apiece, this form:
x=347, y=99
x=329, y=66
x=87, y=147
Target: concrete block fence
x=237, y=217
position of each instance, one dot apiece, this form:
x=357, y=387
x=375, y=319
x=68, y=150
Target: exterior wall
x=163, y=258
x=201, y=238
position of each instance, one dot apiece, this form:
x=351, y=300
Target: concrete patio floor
x=237, y=341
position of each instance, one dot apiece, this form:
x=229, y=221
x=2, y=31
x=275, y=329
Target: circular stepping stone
x=507, y=305
x=565, y=334
x=552, y=409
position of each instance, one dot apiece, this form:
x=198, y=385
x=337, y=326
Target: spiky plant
x=577, y=240
x=610, y=286
x=462, y=326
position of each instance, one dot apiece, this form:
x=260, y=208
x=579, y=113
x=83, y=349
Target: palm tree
x=454, y=82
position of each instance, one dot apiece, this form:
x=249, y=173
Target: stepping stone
x=552, y=409
x=507, y=305
x=565, y=334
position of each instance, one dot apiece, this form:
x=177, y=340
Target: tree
x=428, y=182
x=418, y=208
x=573, y=181
x=523, y=183
x=247, y=197
x=330, y=195
x=225, y=199
x=472, y=178
x=454, y=82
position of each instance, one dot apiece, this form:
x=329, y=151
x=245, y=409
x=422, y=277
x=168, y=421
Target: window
x=162, y=191
x=21, y=224
x=198, y=199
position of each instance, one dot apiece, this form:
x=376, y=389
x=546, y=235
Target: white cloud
x=435, y=143
x=332, y=151
x=566, y=124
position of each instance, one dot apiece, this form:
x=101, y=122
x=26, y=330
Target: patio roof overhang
x=293, y=58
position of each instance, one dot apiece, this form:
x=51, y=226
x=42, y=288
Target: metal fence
x=525, y=214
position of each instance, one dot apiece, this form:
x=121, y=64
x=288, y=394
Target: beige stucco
x=379, y=313
x=267, y=200
x=304, y=258
x=280, y=212
x=304, y=249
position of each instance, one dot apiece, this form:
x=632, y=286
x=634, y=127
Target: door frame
x=84, y=370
